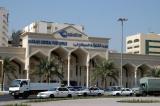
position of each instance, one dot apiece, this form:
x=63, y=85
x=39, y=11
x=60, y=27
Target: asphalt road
x=97, y=102
x=7, y=99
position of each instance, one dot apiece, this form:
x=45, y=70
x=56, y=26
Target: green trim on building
x=154, y=52
x=154, y=46
x=147, y=46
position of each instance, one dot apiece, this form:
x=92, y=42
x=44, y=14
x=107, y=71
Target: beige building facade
x=3, y=27
x=77, y=54
x=143, y=44
x=76, y=51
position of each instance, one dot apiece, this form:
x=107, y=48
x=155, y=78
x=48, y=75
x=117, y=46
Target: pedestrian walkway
x=4, y=92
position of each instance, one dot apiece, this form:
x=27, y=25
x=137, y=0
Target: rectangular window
x=129, y=47
x=136, y=52
x=136, y=46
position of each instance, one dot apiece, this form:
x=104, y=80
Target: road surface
x=83, y=102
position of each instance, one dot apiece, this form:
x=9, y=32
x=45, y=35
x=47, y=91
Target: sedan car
x=92, y=91
x=113, y=91
x=96, y=91
x=137, y=91
x=126, y=92
x=83, y=92
x=57, y=92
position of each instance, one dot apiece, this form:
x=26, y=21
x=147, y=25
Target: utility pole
x=122, y=20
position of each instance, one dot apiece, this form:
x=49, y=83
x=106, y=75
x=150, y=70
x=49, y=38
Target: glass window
x=136, y=52
x=136, y=46
x=129, y=42
x=129, y=47
x=136, y=40
x=48, y=27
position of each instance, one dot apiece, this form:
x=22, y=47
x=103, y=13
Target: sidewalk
x=4, y=92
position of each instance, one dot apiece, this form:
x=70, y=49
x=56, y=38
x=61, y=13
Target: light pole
x=122, y=20
x=2, y=74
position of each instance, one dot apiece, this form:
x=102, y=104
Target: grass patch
x=17, y=104
x=72, y=98
x=46, y=100
x=139, y=101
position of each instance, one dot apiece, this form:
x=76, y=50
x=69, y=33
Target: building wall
x=49, y=27
x=77, y=53
x=147, y=44
x=136, y=65
x=3, y=27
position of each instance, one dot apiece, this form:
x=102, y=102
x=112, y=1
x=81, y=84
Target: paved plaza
x=93, y=102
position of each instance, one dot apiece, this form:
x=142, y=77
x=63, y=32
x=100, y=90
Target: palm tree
x=48, y=68
x=155, y=72
x=8, y=67
x=104, y=70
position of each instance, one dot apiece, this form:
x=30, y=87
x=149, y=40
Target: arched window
x=129, y=42
x=136, y=40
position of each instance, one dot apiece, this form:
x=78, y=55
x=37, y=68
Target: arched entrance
x=142, y=71
x=94, y=60
x=128, y=75
x=34, y=60
x=60, y=55
x=16, y=73
x=78, y=67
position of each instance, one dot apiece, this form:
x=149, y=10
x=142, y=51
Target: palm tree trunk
x=105, y=83
x=2, y=81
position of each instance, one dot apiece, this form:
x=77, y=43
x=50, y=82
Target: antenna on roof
x=150, y=30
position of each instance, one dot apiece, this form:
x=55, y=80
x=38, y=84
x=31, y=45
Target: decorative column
x=68, y=81
x=135, y=76
x=27, y=67
x=87, y=65
x=25, y=44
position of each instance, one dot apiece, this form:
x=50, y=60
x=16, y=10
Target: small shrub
x=17, y=104
x=139, y=101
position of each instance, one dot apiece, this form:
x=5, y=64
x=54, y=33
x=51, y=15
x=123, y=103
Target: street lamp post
x=2, y=73
x=122, y=20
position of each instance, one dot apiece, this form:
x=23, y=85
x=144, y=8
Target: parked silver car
x=113, y=91
x=57, y=92
x=137, y=91
x=92, y=91
x=126, y=92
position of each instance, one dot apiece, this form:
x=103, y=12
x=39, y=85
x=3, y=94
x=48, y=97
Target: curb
x=3, y=93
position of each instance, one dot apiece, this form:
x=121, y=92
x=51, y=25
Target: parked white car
x=113, y=91
x=92, y=91
x=96, y=91
x=137, y=91
x=83, y=92
x=126, y=92
x=57, y=92
x=119, y=92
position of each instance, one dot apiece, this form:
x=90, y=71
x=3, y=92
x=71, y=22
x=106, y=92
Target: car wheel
x=117, y=94
x=99, y=94
x=69, y=95
x=51, y=96
x=131, y=94
x=25, y=95
x=16, y=96
x=85, y=94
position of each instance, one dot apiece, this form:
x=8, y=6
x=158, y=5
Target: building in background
x=3, y=27
x=49, y=27
x=76, y=52
x=143, y=44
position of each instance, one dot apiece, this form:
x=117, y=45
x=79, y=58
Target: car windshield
x=108, y=89
x=52, y=89
x=71, y=89
x=15, y=83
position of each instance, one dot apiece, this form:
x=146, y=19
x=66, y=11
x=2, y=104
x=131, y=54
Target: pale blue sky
x=98, y=16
